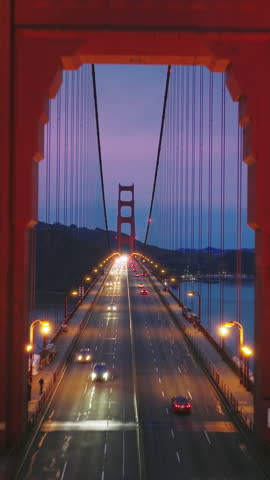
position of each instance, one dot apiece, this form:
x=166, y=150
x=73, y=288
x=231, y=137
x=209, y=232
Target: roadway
x=90, y=430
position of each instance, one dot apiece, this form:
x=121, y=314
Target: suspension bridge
x=211, y=173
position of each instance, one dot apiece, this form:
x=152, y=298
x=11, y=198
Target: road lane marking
x=156, y=369
x=102, y=474
x=155, y=359
x=207, y=437
x=167, y=410
x=63, y=471
x=171, y=351
x=111, y=390
x=123, y=456
x=105, y=449
x=178, y=457
x=85, y=389
x=172, y=433
x=159, y=379
x=189, y=394
x=109, y=404
x=163, y=393
x=179, y=369
x=96, y=347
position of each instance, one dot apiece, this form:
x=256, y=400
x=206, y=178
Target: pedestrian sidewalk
x=64, y=342
x=225, y=378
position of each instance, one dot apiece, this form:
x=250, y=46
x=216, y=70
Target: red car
x=181, y=405
x=144, y=291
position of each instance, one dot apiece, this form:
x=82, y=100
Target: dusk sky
x=130, y=100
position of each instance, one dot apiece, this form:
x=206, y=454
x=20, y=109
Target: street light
x=240, y=343
x=247, y=353
x=45, y=328
x=197, y=294
x=223, y=332
x=73, y=293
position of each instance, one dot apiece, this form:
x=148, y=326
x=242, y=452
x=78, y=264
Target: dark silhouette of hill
x=207, y=260
x=65, y=254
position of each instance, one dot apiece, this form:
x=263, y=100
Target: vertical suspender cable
x=239, y=226
x=72, y=135
x=159, y=150
x=181, y=173
x=187, y=164
x=177, y=159
x=58, y=155
x=193, y=101
x=222, y=193
x=66, y=93
x=210, y=197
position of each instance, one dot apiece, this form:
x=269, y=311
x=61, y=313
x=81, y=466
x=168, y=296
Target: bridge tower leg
x=123, y=239
x=250, y=73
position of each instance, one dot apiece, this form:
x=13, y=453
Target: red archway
x=37, y=41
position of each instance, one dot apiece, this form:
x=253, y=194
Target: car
x=141, y=284
x=100, y=372
x=144, y=274
x=83, y=355
x=144, y=291
x=181, y=404
x=112, y=307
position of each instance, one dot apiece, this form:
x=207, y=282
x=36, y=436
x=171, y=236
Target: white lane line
x=178, y=457
x=171, y=351
x=85, y=389
x=123, y=457
x=159, y=379
x=78, y=416
x=153, y=351
x=155, y=359
x=163, y=393
x=167, y=410
x=102, y=474
x=111, y=390
x=63, y=472
x=172, y=433
x=156, y=369
x=105, y=449
x=179, y=369
x=189, y=394
x=150, y=344
x=96, y=347
x=207, y=437
x=110, y=404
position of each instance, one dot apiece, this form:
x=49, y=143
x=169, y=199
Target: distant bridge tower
x=124, y=239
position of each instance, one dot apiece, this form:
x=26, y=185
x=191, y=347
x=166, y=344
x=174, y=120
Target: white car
x=84, y=355
x=141, y=284
x=112, y=307
x=100, y=372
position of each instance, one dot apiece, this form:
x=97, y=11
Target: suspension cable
x=99, y=154
x=159, y=150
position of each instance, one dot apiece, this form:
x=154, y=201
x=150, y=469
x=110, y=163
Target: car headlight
x=105, y=375
x=94, y=376
x=79, y=357
x=88, y=357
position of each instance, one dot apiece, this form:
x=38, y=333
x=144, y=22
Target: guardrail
x=242, y=419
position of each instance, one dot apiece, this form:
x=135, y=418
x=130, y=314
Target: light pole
x=223, y=331
x=240, y=343
x=74, y=293
x=247, y=353
x=197, y=294
x=45, y=328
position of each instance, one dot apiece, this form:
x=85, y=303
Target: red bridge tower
x=124, y=239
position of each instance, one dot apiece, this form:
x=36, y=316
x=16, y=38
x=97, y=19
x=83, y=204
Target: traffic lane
x=160, y=460
x=222, y=427
x=213, y=421
x=103, y=407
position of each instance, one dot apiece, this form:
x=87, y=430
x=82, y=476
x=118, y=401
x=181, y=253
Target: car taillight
x=187, y=405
